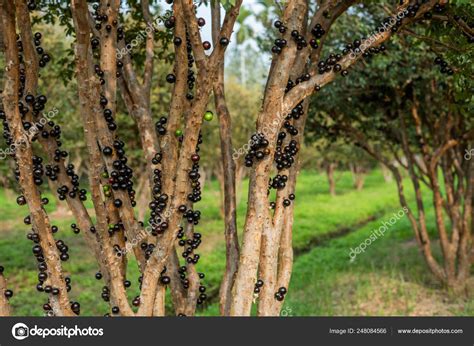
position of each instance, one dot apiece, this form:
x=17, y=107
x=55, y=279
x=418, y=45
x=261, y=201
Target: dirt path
x=339, y=232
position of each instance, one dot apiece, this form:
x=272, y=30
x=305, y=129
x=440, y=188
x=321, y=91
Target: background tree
x=402, y=115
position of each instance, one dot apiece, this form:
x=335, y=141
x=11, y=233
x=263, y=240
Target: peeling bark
x=228, y=167
x=24, y=159
x=5, y=308
x=115, y=269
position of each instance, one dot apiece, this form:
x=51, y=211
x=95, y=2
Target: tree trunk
x=386, y=173
x=330, y=167
x=144, y=193
x=228, y=170
x=24, y=158
x=358, y=176
x=220, y=178
x=5, y=309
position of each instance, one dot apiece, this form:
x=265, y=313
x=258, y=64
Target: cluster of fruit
x=44, y=57
x=258, y=149
x=443, y=66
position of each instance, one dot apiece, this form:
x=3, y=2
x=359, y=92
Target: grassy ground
x=390, y=278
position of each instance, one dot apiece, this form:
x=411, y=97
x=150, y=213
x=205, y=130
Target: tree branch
x=5, y=309
x=24, y=160
x=304, y=89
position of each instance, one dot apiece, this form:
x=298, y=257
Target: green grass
x=317, y=213
x=390, y=278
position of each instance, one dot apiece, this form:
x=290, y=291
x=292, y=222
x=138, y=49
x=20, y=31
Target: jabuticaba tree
x=176, y=162
x=29, y=169
x=171, y=154
x=228, y=167
x=98, y=35
x=298, y=70
x=5, y=294
x=417, y=121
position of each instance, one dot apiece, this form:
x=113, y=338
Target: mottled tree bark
x=5, y=308
x=207, y=68
x=24, y=160
x=266, y=250
x=88, y=96
x=260, y=247
x=228, y=167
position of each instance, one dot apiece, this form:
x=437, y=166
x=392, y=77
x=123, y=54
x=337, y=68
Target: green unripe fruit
x=104, y=175
x=178, y=133
x=106, y=188
x=208, y=116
